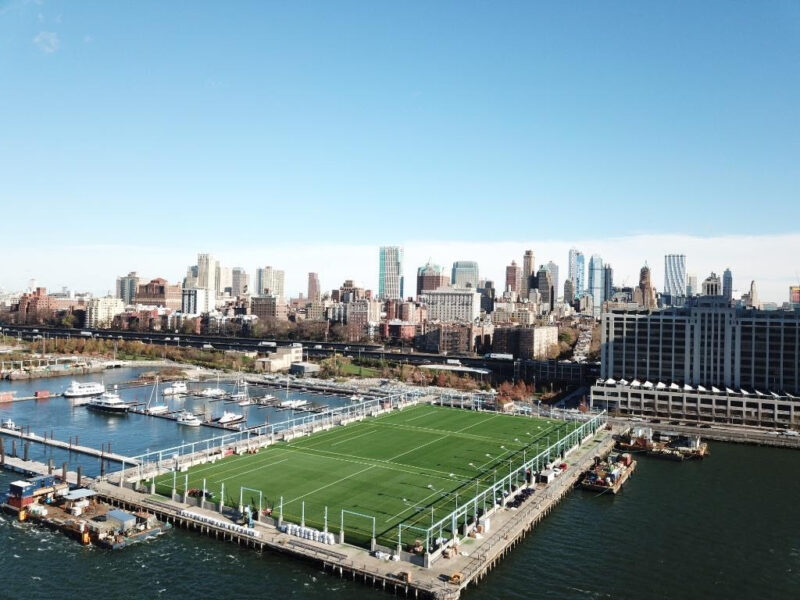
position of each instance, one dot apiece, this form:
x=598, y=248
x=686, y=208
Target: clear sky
x=207, y=126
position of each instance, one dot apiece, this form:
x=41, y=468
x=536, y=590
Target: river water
x=727, y=527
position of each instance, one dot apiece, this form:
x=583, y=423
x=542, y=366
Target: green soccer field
x=409, y=467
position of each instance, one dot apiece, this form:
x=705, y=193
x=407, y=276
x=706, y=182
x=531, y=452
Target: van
x=208, y=347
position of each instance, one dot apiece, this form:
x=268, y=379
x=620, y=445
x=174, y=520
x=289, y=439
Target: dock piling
x=26, y=451
x=14, y=448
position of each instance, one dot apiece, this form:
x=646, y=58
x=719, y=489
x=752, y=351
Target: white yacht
x=293, y=403
x=356, y=398
x=230, y=418
x=178, y=388
x=212, y=392
x=109, y=402
x=77, y=389
x=189, y=419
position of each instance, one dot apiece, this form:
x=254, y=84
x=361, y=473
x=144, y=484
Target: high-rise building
x=269, y=282
x=160, y=293
x=712, y=285
x=794, y=294
x=608, y=282
x=390, y=272
x=528, y=266
x=314, y=292
x=465, y=274
x=727, y=285
x=675, y=276
x=452, y=304
x=431, y=277
x=127, y=286
x=691, y=286
x=706, y=343
x=223, y=280
x=100, y=312
x=513, y=277
x=751, y=299
x=553, y=268
x=645, y=294
x=547, y=291
x=240, y=282
x=569, y=291
x=576, y=271
x=207, y=272
x=597, y=286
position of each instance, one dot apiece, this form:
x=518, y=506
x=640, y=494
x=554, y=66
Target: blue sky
x=197, y=124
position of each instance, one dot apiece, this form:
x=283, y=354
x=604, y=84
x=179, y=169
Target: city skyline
x=750, y=258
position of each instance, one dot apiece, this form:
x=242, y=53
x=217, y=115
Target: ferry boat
x=189, y=419
x=609, y=475
x=178, y=388
x=77, y=389
x=230, y=418
x=109, y=402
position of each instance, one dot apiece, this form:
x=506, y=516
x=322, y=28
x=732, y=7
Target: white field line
x=248, y=471
x=412, y=507
x=360, y=460
x=481, y=422
x=445, y=432
x=359, y=472
x=350, y=439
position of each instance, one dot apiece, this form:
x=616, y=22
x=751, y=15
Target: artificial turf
x=404, y=467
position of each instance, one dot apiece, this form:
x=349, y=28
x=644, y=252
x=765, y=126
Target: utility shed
x=121, y=519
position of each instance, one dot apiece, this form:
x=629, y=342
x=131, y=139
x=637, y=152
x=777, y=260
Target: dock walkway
x=40, y=439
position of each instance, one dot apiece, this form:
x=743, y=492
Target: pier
x=443, y=579
x=69, y=446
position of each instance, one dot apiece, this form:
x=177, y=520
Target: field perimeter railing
x=155, y=462
x=502, y=487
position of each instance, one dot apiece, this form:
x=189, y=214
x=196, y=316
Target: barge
x=609, y=475
x=48, y=501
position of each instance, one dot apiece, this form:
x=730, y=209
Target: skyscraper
x=727, y=285
x=240, y=282
x=465, y=274
x=553, y=268
x=596, y=283
x=527, y=270
x=431, y=277
x=608, y=282
x=712, y=285
x=544, y=279
x=390, y=272
x=675, y=276
x=206, y=272
x=314, y=294
x=269, y=282
x=569, y=291
x=576, y=271
x=127, y=286
x=513, y=277
x=645, y=294
x=691, y=286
